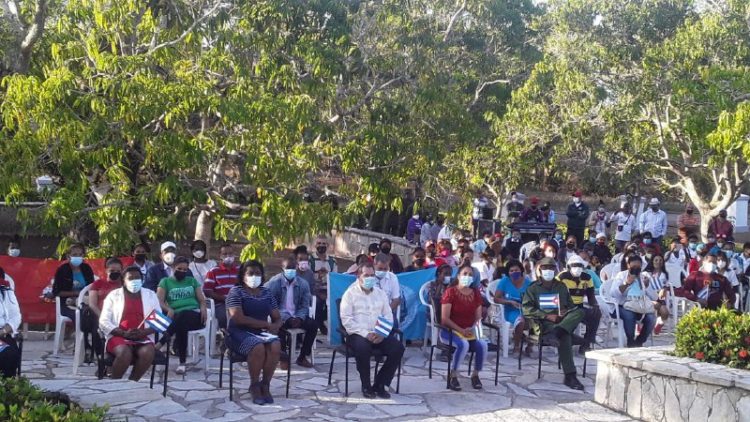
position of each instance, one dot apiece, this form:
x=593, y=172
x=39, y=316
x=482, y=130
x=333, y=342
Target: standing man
x=414, y=229
x=578, y=214
x=220, y=280
x=322, y=265
x=163, y=269
x=532, y=214
x=688, y=223
x=292, y=293
x=654, y=221
x=580, y=284
x=388, y=283
x=480, y=203
x=514, y=207
x=141, y=258
x=554, y=317
x=361, y=307
x=720, y=226
x=397, y=266
x=624, y=226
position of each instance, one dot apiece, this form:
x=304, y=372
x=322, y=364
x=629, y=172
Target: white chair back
x=78, y=351
x=675, y=274
x=609, y=271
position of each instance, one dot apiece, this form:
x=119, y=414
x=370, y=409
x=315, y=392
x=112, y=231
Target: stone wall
x=649, y=384
x=350, y=242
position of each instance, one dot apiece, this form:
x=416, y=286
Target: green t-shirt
x=180, y=294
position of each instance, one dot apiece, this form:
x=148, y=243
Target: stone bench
x=649, y=384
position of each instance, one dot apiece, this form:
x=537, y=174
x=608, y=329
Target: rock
x=633, y=397
x=53, y=385
x=722, y=408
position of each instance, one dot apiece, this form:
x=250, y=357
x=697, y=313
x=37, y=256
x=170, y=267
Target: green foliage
x=720, y=336
x=23, y=402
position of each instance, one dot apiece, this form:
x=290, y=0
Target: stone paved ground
x=519, y=396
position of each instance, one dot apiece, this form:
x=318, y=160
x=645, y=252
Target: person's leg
x=273, y=352
x=256, y=360
x=393, y=350
x=479, y=347
x=462, y=348
x=9, y=358
x=565, y=352
x=311, y=330
x=591, y=319
x=321, y=313
x=221, y=314
x=628, y=324
x=189, y=321
x=144, y=357
x=285, y=325
x=123, y=359
x=362, y=349
x=648, y=322
x=517, y=335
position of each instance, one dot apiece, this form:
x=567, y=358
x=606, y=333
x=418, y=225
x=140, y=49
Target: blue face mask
x=465, y=280
x=646, y=241
x=592, y=239
x=447, y=280
x=369, y=282
x=692, y=246
x=380, y=274
x=76, y=261
x=558, y=237
x=515, y=275
x=290, y=273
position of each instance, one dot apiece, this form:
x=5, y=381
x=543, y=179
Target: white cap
x=575, y=259
x=601, y=235
x=166, y=245
x=653, y=201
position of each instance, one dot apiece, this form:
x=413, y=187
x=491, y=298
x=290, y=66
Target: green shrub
x=24, y=402
x=720, y=336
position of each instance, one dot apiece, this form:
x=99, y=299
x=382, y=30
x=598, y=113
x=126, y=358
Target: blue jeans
x=629, y=319
x=478, y=346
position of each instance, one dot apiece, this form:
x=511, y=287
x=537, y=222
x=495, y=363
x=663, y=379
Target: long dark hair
x=250, y=264
x=3, y=288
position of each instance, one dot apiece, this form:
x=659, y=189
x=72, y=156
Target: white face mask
x=548, y=275
x=721, y=264
x=228, y=261
x=549, y=254
x=709, y=267
x=134, y=286
x=465, y=280
x=14, y=252
x=304, y=265
x=199, y=254
x=576, y=271
x=169, y=258
x=252, y=281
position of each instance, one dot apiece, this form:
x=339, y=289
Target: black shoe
x=324, y=331
x=381, y=392
x=454, y=385
x=475, y=382
x=550, y=339
x=368, y=393
x=572, y=382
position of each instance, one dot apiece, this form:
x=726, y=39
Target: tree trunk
x=204, y=227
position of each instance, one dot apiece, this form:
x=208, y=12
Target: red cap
x=534, y=200
x=578, y=193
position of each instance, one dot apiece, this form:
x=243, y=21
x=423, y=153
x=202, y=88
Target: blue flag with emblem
x=383, y=327
x=549, y=301
x=158, y=321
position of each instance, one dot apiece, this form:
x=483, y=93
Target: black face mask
x=114, y=275
x=180, y=275
x=419, y=261
x=321, y=249
x=570, y=245
x=140, y=257
x=689, y=212
x=635, y=271
x=385, y=249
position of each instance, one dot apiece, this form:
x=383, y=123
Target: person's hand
x=170, y=313
x=204, y=316
x=551, y=317
x=378, y=339
x=139, y=334
x=7, y=329
x=468, y=332
x=295, y=322
x=371, y=337
x=630, y=280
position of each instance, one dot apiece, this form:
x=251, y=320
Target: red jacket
x=719, y=289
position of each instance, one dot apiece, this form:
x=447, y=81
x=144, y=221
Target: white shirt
x=654, y=222
x=486, y=271
x=288, y=305
x=479, y=205
x=114, y=304
x=10, y=312
x=424, y=233
x=620, y=279
x=681, y=259
x=445, y=233
x=200, y=269
x=360, y=309
x=627, y=221
x=389, y=285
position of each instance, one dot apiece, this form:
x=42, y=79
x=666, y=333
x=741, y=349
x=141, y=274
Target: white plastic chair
x=499, y=318
x=608, y=272
x=205, y=332
x=294, y=332
x=678, y=306
x=60, y=322
x=78, y=350
x=430, y=329
x=604, y=297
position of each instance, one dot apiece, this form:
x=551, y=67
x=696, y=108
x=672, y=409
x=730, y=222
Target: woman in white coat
x=122, y=320
x=10, y=320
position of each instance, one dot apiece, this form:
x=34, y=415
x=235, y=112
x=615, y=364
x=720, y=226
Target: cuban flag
x=158, y=321
x=703, y=294
x=549, y=301
x=383, y=327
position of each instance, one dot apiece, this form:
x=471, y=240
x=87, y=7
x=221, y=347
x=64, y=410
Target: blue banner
x=413, y=314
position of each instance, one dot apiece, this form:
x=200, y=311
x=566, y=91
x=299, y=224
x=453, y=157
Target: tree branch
x=453, y=20
x=219, y=4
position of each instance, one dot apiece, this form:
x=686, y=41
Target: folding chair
x=105, y=360
x=348, y=353
x=534, y=339
x=450, y=349
x=60, y=322
x=19, y=343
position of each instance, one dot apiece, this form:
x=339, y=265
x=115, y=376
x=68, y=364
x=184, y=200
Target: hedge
x=720, y=336
x=22, y=402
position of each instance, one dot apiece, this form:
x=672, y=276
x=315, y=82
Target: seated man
x=580, y=284
x=707, y=287
x=123, y=313
x=361, y=306
x=292, y=293
x=554, y=317
x=220, y=280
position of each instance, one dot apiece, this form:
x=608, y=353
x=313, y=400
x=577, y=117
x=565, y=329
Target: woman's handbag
x=639, y=304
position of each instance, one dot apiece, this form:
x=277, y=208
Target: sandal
x=475, y=382
x=255, y=392
x=454, y=385
x=265, y=392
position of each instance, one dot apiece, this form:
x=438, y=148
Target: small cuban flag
x=703, y=294
x=383, y=327
x=549, y=301
x=158, y=321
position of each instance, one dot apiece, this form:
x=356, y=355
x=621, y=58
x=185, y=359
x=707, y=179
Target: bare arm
x=94, y=302
x=162, y=295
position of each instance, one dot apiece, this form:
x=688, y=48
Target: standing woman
x=10, y=320
x=249, y=306
x=181, y=296
x=460, y=313
x=509, y=293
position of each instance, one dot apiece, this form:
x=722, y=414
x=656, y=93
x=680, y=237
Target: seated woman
x=122, y=315
x=70, y=278
x=181, y=296
x=249, y=306
x=509, y=293
x=631, y=284
x=461, y=311
x=659, y=277
x=10, y=320
x=98, y=292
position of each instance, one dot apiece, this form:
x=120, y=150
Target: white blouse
x=10, y=312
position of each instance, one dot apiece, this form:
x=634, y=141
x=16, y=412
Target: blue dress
x=242, y=340
x=515, y=294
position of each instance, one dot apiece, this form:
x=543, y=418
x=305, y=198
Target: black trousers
x=221, y=314
x=311, y=330
x=321, y=314
x=591, y=319
x=182, y=323
x=390, y=347
x=10, y=358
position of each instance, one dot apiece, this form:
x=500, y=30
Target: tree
x=21, y=26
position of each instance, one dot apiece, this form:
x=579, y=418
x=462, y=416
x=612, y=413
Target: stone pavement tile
x=54, y=385
x=160, y=408
x=545, y=410
x=594, y=412
x=127, y=406
x=364, y=412
x=190, y=385
x=550, y=386
x=520, y=391
x=403, y=410
x=453, y=403
x=423, y=385
x=193, y=396
x=271, y=417
x=184, y=417
x=115, y=398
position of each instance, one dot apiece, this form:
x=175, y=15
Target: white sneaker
x=180, y=370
